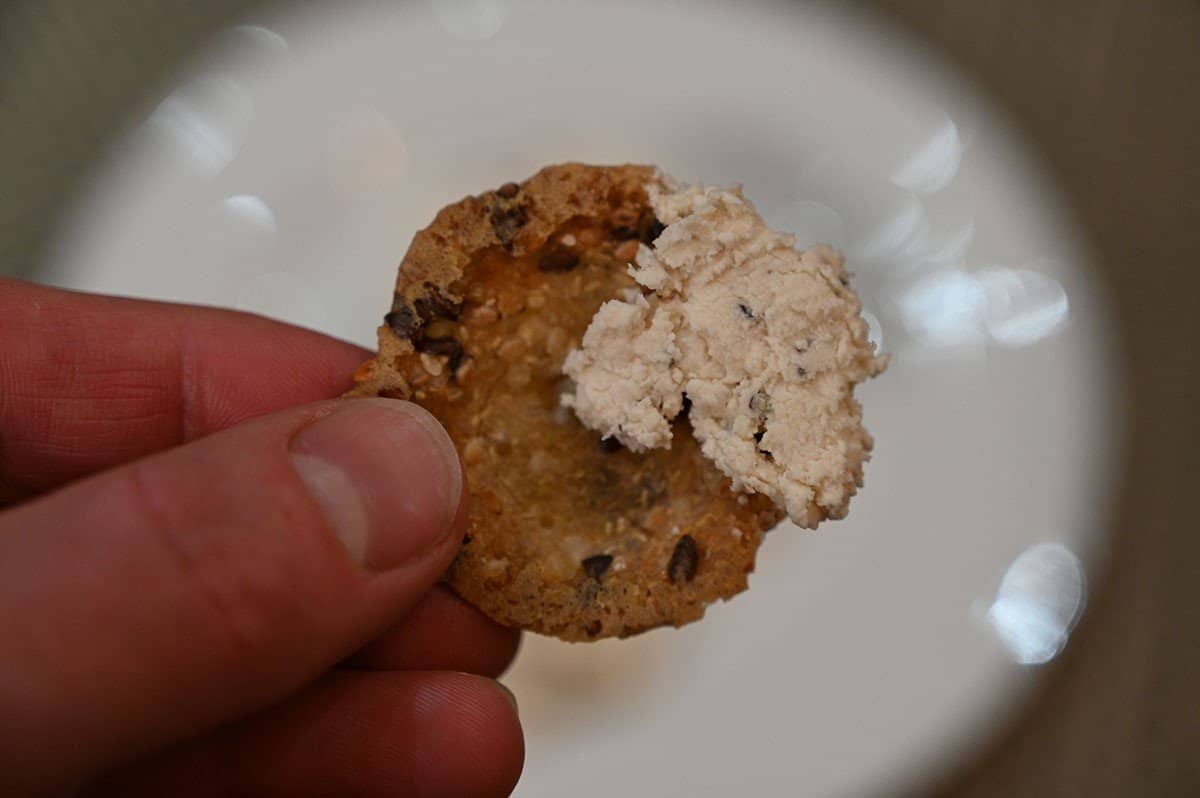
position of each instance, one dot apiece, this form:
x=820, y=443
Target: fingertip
x=507, y=643
x=475, y=747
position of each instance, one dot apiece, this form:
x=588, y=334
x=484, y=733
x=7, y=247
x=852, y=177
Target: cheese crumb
x=766, y=343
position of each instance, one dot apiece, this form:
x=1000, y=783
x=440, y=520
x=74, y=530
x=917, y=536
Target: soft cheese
x=766, y=342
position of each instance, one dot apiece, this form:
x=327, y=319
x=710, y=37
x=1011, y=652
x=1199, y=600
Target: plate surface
x=291, y=163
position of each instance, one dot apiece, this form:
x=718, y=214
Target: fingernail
x=386, y=477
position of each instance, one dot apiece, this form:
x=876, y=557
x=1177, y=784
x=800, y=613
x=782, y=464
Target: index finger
x=90, y=382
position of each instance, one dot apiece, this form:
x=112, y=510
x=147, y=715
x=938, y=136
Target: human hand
x=211, y=582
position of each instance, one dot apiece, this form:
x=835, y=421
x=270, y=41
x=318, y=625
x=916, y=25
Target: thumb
x=160, y=599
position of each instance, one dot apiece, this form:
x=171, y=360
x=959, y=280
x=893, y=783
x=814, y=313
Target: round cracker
x=568, y=535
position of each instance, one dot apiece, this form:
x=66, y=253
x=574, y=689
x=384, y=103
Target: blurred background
x=1013, y=607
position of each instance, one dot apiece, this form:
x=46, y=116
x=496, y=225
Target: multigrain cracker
x=570, y=533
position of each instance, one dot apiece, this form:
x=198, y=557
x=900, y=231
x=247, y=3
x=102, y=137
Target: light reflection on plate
x=208, y=119
x=287, y=171
x=1039, y=600
x=471, y=19
x=1011, y=307
x=932, y=167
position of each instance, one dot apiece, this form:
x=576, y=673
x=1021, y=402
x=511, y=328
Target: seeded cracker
x=570, y=534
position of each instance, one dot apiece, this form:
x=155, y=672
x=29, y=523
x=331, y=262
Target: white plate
x=290, y=166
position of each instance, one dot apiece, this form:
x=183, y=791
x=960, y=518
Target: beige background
x=1110, y=89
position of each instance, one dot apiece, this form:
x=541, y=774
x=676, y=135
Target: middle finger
x=442, y=632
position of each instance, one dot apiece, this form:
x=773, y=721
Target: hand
x=210, y=587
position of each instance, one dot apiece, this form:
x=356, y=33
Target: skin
x=183, y=612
